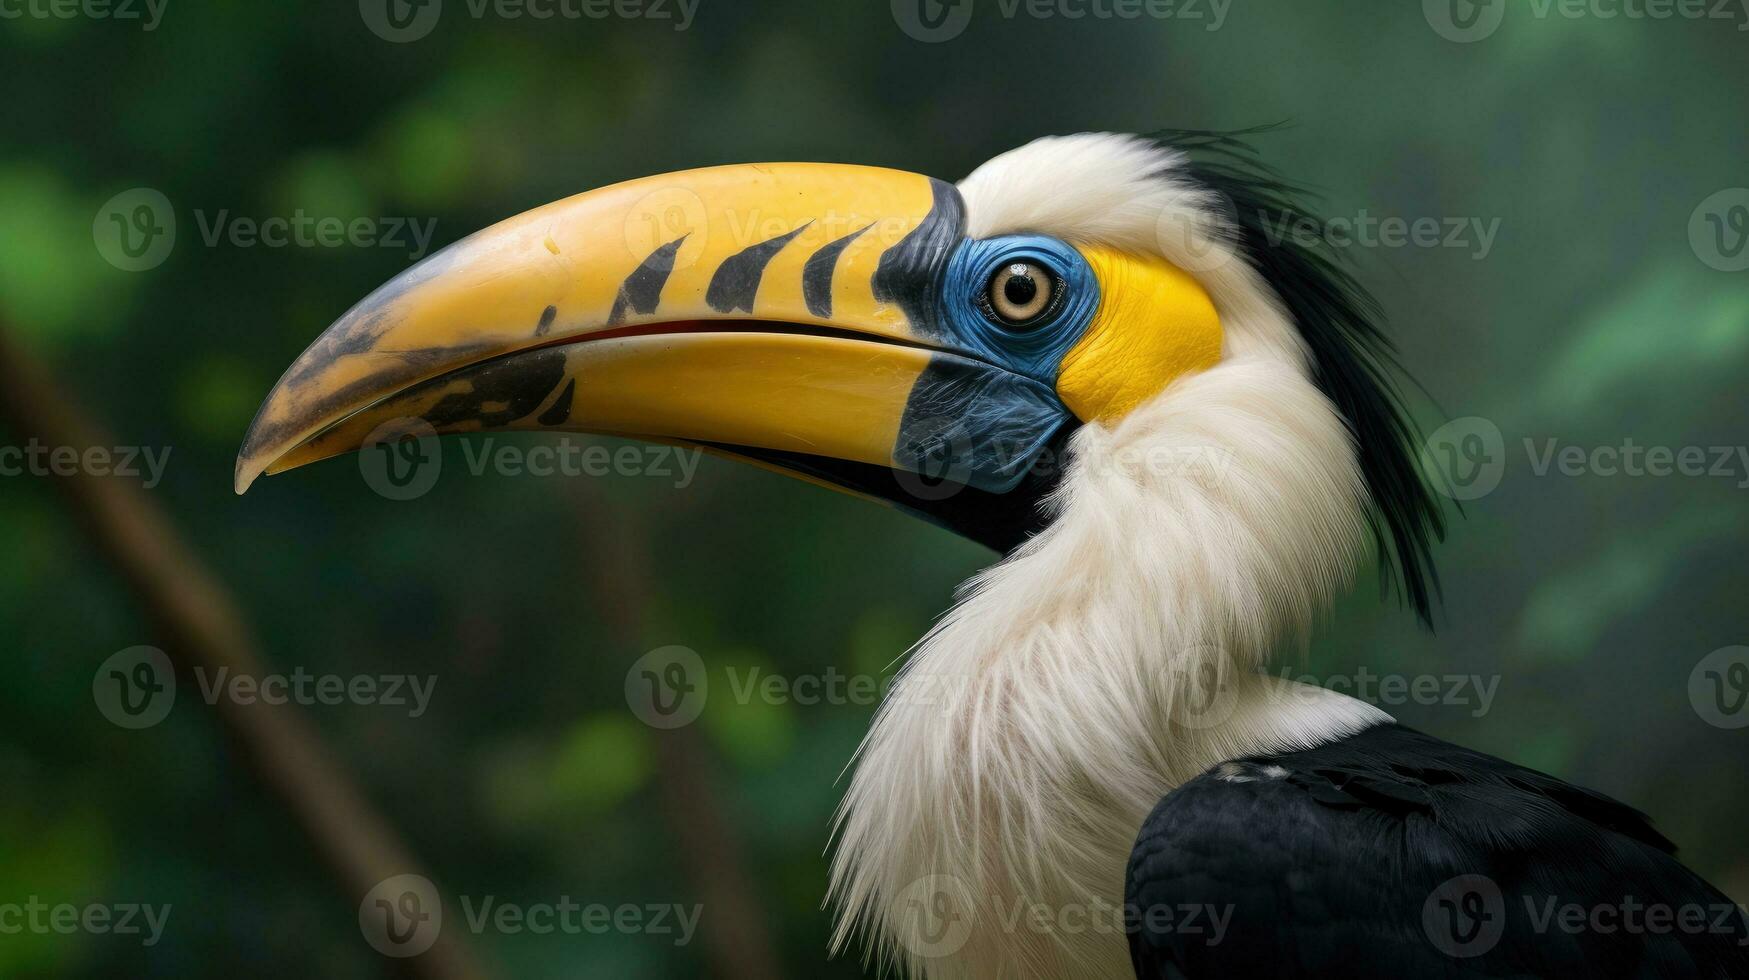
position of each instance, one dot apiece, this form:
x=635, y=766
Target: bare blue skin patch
x=969, y=423
x=981, y=416
x=1037, y=350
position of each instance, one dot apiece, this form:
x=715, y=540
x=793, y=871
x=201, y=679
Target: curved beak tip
x=243, y=478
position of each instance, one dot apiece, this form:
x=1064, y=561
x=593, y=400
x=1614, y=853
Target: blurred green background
x=1590, y=318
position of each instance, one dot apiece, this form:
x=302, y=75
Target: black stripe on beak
x=818, y=273
x=642, y=290
x=737, y=280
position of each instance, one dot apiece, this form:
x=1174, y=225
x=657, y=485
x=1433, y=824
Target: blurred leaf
x=1565, y=618
x=429, y=158
x=52, y=859
x=322, y=185
x=599, y=763
x=750, y=713
x=53, y=282
x=1679, y=324
x=213, y=394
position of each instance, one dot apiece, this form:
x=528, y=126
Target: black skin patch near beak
x=998, y=521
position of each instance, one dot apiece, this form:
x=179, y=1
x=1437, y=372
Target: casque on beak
x=780, y=312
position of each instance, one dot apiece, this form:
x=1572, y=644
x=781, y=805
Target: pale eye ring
x=1021, y=294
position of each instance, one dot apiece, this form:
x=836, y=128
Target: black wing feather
x=1360, y=858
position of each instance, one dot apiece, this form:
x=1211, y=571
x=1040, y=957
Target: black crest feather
x=1354, y=362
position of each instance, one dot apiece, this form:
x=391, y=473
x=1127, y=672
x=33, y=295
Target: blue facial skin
x=1037, y=350
x=982, y=419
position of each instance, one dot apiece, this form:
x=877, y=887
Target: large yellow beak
x=780, y=311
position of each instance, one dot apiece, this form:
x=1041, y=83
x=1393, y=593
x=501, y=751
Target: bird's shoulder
x=1392, y=853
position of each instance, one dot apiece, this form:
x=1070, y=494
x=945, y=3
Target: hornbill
x=1180, y=431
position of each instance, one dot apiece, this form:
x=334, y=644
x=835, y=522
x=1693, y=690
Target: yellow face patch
x=1155, y=323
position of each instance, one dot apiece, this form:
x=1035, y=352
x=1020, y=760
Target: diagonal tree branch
x=202, y=628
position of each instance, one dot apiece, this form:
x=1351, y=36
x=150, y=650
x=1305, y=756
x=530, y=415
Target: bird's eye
x=1021, y=294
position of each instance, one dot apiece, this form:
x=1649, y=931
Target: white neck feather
x=1036, y=726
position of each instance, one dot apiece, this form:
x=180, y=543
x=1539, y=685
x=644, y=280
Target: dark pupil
x=1020, y=287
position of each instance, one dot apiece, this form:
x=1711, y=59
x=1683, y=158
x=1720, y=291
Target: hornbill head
x=878, y=331
x=1099, y=354
x=842, y=323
